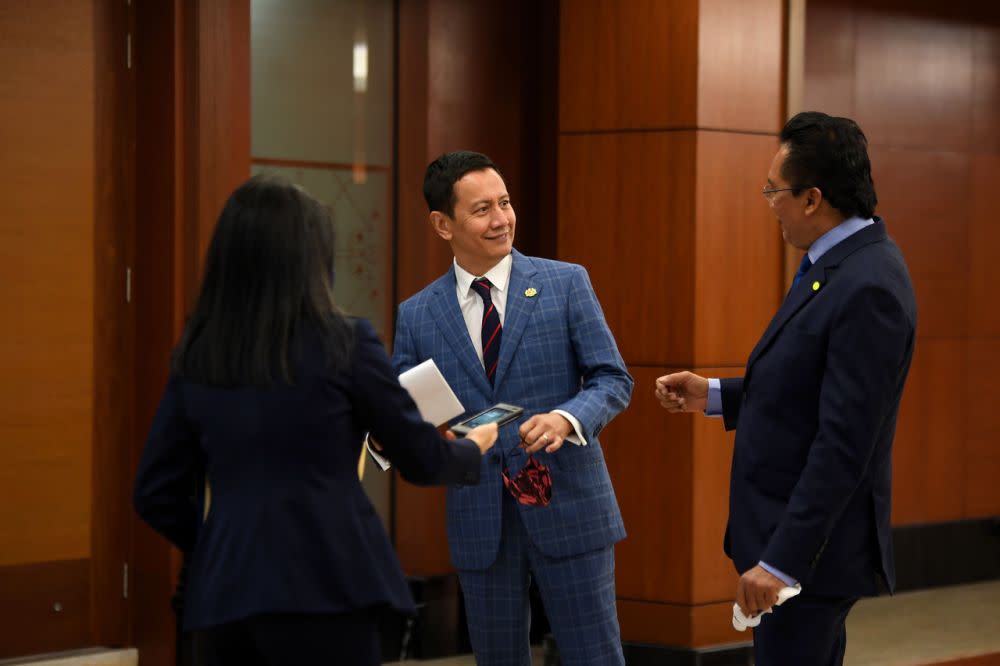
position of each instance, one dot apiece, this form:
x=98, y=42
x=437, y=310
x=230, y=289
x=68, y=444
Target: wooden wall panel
x=193, y=145
x=925, y=82
x=829, y=52
x=913, y=77
x=677, y=624
x=924, y=197
x=627, y=65
x=114, y=324
x=981, y=431
x=712, y=574
x=986, y=82
x=929, y=449
x=45, y=607
x=47, y=281
x=474, y=103
x=217, y=117
x=738, y=279
x=159, y=285
x=649, y=457
x=626, y=212
x=984, y=244
x=740, y=73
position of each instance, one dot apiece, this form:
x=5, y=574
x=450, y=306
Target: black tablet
x=499, y=413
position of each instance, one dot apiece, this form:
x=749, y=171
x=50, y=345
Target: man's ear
x=813, y=200
x=441, y=224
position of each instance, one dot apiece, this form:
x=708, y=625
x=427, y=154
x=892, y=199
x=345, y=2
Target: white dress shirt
x=471, y=305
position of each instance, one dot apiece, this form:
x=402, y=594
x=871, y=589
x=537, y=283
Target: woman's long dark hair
x=268, y=280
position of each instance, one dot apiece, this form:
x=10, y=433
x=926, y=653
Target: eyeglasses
x=768, y=191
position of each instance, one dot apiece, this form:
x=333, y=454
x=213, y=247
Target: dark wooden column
x=667, y=124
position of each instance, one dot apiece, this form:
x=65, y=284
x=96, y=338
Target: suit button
x=495, y=457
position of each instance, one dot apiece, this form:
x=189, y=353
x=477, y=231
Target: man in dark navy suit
x=815, y=411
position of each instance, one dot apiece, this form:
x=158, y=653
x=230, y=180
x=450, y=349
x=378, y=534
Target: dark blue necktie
x=803, y=269
x=491, y=329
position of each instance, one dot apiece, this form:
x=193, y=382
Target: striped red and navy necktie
x=491, y=328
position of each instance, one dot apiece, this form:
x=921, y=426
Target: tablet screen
x=489, y=416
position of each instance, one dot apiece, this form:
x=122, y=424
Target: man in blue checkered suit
x=558, y=360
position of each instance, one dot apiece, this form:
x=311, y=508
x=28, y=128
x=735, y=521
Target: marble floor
x=938, y=626
x=910, y=629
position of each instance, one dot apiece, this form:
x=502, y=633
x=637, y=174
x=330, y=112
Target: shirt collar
x=498, y=276
x=848, y=227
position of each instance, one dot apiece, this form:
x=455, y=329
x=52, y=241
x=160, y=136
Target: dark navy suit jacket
x=557, y=352
x=290, y=528
x=815, y=414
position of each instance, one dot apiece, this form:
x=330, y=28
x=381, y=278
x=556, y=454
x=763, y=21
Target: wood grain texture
x=193, y=140
x=713, y=577
x=677, y=625
x=738, y=260
x=914, y=78
x=47, y=281
x=830, y=52
x=114, y=328
x=984, y=244
x=925, y=198
x=986, y=81
x=740, y=68
x=160, y=265
x=626, y=212
x=654, y=491
x=980, y=429
x=46, y=607
x=628, y=65
x=929, y=460
x=218, y=118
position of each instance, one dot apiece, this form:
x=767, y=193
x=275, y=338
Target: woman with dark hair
x=269, y=397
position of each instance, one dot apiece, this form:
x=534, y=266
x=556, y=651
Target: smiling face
x=481, y=232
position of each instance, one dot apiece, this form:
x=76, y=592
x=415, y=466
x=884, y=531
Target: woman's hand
x=485, y=436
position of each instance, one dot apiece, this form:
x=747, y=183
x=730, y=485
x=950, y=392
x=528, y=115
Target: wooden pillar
x=669, y=111
x=192, y=148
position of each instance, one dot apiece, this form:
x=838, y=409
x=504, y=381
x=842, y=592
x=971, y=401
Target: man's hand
x=757, y=591
x=545, y=430
x=682, y=392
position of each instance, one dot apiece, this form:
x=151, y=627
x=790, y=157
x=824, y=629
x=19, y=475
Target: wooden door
x=64, y=338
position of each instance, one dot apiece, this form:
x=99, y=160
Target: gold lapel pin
x=816, y=285
x=530, y=292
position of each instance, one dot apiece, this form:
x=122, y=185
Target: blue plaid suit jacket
x=557, y=352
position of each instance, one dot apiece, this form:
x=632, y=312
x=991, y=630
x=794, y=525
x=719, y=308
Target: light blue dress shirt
x=820, y=246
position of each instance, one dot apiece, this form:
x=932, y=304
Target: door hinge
x=125, y=580
x=128, y=284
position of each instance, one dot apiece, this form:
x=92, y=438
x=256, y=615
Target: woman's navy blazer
x=290, y=529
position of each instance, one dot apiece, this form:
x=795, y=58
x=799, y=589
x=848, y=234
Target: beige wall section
x=321, y=116
x=47, y=175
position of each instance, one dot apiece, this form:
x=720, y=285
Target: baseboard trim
x=951, y=553
x=643, y=654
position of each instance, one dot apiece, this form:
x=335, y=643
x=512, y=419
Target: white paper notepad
x=435, y=399
x=437, y=403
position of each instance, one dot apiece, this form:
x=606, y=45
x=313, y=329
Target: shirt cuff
x=714, y=404
x=382, y=461
x=574, y=437
x=780, y=575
